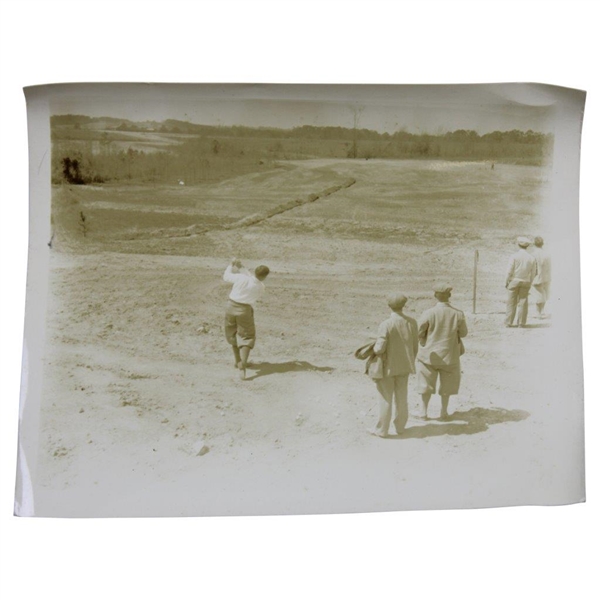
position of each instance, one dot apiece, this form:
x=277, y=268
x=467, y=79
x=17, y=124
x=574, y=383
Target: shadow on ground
x=266, y=368
x=467, y=422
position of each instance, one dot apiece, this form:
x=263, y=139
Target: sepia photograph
x=398, y=161
x=301, y=299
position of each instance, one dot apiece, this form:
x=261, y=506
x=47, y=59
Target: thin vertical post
x=475, y=261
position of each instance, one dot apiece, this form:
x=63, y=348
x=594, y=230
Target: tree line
x=83, y=153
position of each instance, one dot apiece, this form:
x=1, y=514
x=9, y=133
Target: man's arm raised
x=231, y=274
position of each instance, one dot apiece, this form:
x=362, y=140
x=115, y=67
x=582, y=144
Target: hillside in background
x=106, y=149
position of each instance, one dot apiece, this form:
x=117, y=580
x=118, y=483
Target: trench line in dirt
x=281, y=208
x=263, y=216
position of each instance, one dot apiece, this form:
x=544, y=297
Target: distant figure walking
x=240, y=330
x=541, y=284
x=520, y=276
x=441, y=329
x=397, y=345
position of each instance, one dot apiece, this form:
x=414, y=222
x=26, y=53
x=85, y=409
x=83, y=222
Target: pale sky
x=417, y=109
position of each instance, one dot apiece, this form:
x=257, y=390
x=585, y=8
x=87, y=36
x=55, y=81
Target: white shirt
x=544, y=269
x=246, y=288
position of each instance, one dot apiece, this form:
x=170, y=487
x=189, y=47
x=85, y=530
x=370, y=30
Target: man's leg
x=245, y=355
x=511, y=306
x=523, y=290
x=445, y=401
x=538, y=294
x=544, y=289
x=236, y=355
x=385, y=387
x=247, y=333
x=425, y=398
x=231, y=335
x=243, y=363
x=426, y=380
x=449, y=385
x=401, y=401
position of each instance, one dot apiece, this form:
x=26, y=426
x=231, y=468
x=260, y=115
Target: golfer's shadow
x=476, y=420
x=265, y=368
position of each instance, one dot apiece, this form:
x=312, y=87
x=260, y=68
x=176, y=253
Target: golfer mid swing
x=239, y=316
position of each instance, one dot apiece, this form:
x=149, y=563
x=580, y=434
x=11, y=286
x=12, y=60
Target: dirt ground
x=143, y=413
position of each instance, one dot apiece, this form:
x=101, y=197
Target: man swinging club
x=239, y=317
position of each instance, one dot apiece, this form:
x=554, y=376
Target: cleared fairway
x=139, y=377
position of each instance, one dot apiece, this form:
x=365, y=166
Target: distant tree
x=422, y=148
x=72, y=171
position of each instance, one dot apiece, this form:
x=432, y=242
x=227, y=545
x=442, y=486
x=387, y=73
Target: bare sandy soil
x=143, y=413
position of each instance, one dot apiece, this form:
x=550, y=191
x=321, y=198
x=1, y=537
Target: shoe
x=376, y=433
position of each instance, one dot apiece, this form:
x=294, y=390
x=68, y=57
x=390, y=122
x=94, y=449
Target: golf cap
x=396, y=301
x=523, y=241
x=442, y=289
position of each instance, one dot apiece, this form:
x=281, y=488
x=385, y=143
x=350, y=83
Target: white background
x=518, y=552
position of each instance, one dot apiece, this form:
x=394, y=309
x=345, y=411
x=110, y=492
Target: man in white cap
x=521, y=273
x=441, y=329
x=397, y=344
x=541, y=284
x=240, y=331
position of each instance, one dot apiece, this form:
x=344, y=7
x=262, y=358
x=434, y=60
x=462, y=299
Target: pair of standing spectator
x=430, y=348
x=528, y=272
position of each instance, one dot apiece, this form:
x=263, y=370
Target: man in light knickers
x=441, y=329
x=239, y=317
